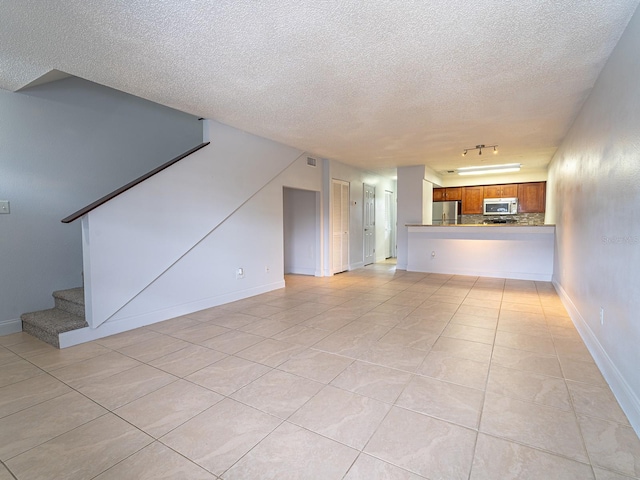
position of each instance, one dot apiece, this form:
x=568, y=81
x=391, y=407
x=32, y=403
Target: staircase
x=67, y=315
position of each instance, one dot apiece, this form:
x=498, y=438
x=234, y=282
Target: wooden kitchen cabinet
x=447, y=194
x=472, y=198
x=532, y=197
x=501, y=191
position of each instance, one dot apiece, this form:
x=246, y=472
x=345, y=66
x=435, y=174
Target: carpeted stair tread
x=70, y=300
x=54, y=320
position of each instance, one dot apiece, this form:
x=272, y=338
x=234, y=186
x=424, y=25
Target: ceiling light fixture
x=487, y=169
x=479, y=148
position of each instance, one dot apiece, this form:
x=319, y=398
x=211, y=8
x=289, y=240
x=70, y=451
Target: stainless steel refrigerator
x=446, y=213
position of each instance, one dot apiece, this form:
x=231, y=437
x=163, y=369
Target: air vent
x=311, y=162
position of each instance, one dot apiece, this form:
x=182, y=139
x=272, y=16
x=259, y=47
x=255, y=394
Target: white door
x=388, y=224
x=340, y=224
x=369, y=223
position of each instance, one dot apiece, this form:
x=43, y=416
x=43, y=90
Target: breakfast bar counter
x=522, y=252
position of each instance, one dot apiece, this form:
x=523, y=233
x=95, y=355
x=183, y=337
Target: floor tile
x=455, y=370
x=611, y=446
x=199, y=332
x=345, y=344
x=35, y=425
x=81, y=453
x=228, y=375
x=220, y=436
x=24, y=394
x=535, y=425
x=233, y=320
x=156, y=462
x=393, y=356
x=446, y=401
x=479, y=311
x=168, y=407
x=584, y=372
x=381, y=383
x=301, y=335
x=232, y=341
x=17, y=371
x=95, y=368
x=474, y=321
x=528, y=386
x=31, y=346
x=596, y=401
x=265, y=327
x=124, y=387
x=291, y=452
x=410, y=338
x=466, y=332
x=479, y=352
x=424, y=445
x=55, y=359
x=342, y=416
x=602, y=474
x=169, y=327
x=154, y=348
x=4, y=473
x=500, y=459
x=278, y=393
x=7, y=356
x=316, y=365
x=125, y=339
x=367, y=467
x=271, y=352
x=542, y=364
x=529, y=343
x=187, y=360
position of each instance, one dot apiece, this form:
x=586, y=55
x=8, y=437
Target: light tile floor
x=371, y=374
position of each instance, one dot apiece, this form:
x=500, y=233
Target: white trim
x=538, y=277
x=302, y=271
x=355, y=266
x=13, y=325
x=625, y=395
x=87, y=334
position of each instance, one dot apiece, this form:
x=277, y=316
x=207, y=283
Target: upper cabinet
x=501, y=191
x=472, y=198
x=532, y=197
x=447, y=194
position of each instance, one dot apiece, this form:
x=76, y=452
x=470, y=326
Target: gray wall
x=62, y=146
x=594, y=198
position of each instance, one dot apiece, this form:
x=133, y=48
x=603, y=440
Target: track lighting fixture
x=479, y=148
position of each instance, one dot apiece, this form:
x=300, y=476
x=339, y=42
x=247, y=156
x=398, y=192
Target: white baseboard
x=13, y=325
x=302, y=271
x=625, y=395
x=87, y=334
x=513, y=275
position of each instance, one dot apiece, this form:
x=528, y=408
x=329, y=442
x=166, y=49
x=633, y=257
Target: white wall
x=594, y=199
x=172, y=245
x=411, y=188
x=301, y=233
x=357, y=178
x=62, y=146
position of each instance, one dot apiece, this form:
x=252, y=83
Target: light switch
x=4, y=206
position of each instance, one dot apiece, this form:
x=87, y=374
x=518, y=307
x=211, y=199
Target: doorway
x=301, y=237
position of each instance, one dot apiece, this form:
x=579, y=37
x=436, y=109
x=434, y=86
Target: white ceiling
x=375, y=84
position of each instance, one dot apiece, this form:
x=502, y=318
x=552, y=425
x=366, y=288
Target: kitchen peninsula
x=523, y=252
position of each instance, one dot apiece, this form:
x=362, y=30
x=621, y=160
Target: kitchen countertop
x=483, y=225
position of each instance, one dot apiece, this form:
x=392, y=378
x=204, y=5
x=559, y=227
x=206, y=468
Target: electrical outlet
x=240, y=273
x=601, y=315
x=4, y=206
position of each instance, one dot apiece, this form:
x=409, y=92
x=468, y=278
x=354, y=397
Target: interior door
x=369, y=223
x=340, y=224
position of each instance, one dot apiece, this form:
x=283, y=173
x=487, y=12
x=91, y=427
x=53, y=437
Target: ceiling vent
x=311, y=161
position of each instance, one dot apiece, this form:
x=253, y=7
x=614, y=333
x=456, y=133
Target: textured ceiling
x=374, y=84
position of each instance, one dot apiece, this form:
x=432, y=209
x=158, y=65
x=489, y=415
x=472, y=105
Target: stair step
x=70, y=300
x=47, y=325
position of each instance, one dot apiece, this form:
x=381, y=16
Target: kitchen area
x=485, y=230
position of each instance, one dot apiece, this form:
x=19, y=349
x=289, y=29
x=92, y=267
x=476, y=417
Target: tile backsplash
x=521, y=218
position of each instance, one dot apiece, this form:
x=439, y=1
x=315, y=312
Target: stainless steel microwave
x=500, y=206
